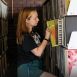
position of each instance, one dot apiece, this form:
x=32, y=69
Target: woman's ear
x=27, y=20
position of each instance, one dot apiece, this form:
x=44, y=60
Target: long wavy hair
x=21, y=26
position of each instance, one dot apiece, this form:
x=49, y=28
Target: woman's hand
x=47, y=34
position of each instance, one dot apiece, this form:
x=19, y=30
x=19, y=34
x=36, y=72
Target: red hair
x=21, y=26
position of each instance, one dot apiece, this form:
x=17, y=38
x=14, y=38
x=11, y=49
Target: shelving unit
x=55, y=56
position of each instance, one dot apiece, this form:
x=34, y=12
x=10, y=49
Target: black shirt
x=24, y=51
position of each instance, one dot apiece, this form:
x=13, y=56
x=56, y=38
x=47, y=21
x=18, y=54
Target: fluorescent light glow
x=73, y=41
x=72, y=10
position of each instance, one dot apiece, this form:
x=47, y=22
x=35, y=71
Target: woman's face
x=32, y=19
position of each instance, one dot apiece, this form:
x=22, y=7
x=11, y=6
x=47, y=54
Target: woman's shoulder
x=27, y=37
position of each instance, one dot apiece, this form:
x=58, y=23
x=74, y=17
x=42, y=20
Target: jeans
x=30, y=69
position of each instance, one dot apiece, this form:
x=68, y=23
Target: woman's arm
x=39, y=50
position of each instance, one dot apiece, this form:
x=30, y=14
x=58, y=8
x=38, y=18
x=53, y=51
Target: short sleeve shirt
x=24, y=52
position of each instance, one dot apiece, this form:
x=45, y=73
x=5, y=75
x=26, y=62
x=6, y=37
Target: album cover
x=52, y=26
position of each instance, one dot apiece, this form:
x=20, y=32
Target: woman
x=29, y=47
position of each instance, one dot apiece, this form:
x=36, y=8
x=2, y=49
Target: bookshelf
x=55, y=56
